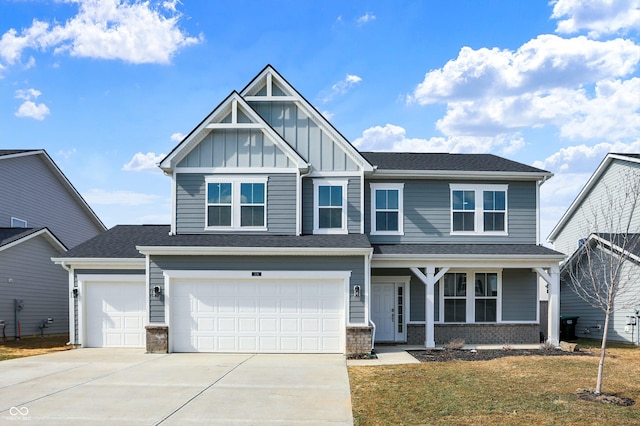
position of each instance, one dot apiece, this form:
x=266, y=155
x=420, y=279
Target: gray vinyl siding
x=191, y=204
x=31, y=191
x=305, y=136
x=519, y=295
x=236, y=148
x=77, y=272
x=27, y=273
x=353, y=204
x=427, y=214
x=355, y=264
x=611, y=183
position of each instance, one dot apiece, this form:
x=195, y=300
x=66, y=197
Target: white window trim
x=235, y=182
x=317, y=183
x=479, y=207
x=16, y=219
x=387, y=186
x=471, y=296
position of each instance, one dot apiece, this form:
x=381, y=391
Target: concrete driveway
x=123, y=386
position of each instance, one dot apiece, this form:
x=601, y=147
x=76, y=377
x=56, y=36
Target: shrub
x=455, y=344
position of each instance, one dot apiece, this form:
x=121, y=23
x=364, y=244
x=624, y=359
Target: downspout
x=368, y=300
x=540, y=182
x=71, y=304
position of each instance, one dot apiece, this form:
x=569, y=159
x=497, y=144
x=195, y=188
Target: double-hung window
x=330, y=212
x=473, y=301
x=478, y=209
x=386, y=208
x=236, y=203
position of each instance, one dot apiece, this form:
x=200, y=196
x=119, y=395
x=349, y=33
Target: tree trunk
x=603, y=350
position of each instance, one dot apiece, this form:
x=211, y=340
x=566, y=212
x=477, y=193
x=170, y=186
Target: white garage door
x=114, y=313
x=257, y=316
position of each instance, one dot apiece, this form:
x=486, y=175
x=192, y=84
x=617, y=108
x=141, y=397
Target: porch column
x=429, y=309
x=554, y=306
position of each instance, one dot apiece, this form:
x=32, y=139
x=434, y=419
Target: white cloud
x=598, y=17
x=584, y=158
x=342, y=87
x=393, y=138
x=367, y=17
x=132, y=31
x=544, y=63
x=143, y=162
x=29, y=109
x=328, y=115
x=65, y=155
x=121, y=198
x=177, y=137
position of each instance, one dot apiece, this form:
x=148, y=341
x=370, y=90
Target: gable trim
x=169, y=163
x=48, y=235
x=591, y=183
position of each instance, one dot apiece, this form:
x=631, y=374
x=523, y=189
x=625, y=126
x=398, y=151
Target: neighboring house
x=41, y=216
x=574, y=232
x=285, y=238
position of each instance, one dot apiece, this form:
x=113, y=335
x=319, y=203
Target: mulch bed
x=604, y=398
x=442, y=355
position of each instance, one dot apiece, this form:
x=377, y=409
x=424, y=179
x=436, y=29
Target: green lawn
x=514, y=390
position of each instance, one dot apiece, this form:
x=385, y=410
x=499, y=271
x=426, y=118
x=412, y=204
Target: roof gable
x=270, y=87
x=10, y=237
x=588, y=187
x=233, y=117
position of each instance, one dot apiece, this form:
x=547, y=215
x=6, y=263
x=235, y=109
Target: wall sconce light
x=74, y=293
x=356, y=291
x=157, y=291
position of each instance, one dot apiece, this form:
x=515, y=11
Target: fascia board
x=593, y=180
x=309, y=109
x=100, y=263
x=252, y=251
x=464, y=261
x=613, y=247
x=453, y=174
x=22, y=154
x=55, y=242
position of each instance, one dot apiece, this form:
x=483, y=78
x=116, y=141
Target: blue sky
x=109, y=86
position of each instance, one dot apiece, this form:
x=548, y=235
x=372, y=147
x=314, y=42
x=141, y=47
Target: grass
x=28, y=346
x=514, y=390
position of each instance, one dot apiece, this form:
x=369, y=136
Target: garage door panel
x=114, y=314
x=262, y=316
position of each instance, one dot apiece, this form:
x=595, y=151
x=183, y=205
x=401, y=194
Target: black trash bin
x=568, y=327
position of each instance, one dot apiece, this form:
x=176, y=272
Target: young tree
x=604, y=270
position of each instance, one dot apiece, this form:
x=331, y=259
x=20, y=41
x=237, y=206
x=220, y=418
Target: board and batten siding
x=355, y=264
x=236, y=148
x=305, y=136
x=32, y=192
x=191, y=204
x=611, y=183
x=27, y=274
x=427, y=214
x=353, y=204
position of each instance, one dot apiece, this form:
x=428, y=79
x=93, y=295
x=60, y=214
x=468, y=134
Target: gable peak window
x=330, y=206
x=478, y=209
x=387, y=208
x=18, y=223
x=236, y=203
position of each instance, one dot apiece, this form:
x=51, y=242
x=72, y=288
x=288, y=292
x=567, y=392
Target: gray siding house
x=41, y=216
x=584, y=224
x=285, y=238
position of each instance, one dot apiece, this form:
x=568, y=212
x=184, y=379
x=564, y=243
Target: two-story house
x=285, y=238
x=604, y=214
x=41, y=216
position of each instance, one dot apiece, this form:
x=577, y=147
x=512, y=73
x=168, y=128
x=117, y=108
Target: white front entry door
x=387, y=310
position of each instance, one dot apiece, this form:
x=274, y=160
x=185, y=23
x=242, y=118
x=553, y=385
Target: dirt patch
x=604, y=398
x=29, y=346
x=442, y=355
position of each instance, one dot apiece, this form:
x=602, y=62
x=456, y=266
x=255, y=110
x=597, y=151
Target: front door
x=387, y=300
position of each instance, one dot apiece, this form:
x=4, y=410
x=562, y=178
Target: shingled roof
x=464, y=249
x=446, y=162
x=121, y=241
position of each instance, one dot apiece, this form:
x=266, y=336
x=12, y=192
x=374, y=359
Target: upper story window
x=386, y=208
x=330, y=207
x=18, y=223
x=478, y=209
x=236, y=203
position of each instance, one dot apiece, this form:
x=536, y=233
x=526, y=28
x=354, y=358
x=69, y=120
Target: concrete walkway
x=129, y=387
x=388, y=355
